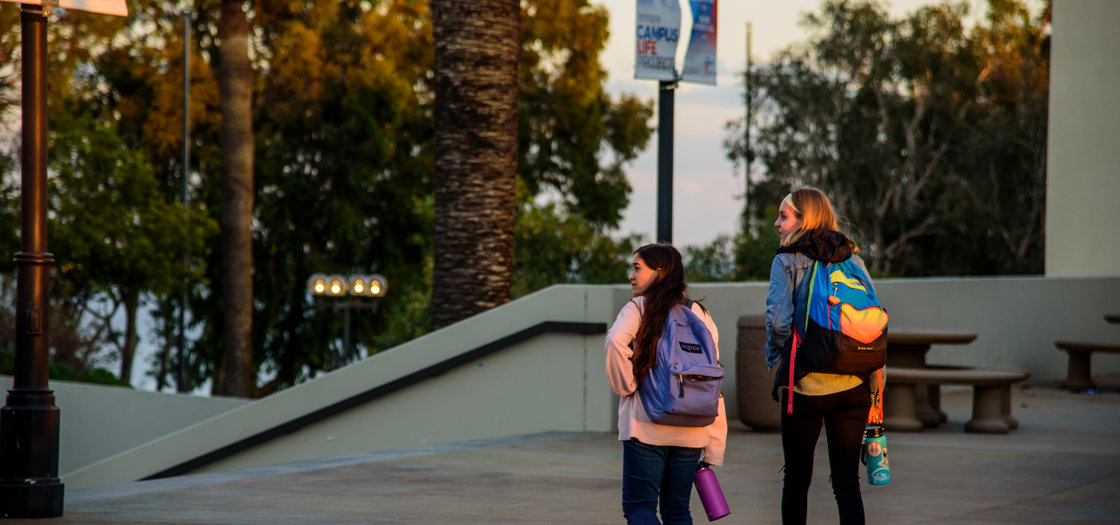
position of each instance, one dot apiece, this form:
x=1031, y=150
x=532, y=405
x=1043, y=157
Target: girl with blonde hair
x=840, y=403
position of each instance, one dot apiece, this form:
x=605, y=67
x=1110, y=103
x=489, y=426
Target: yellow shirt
x=820, y=384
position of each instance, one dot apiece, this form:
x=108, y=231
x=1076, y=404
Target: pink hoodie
x=632, y=419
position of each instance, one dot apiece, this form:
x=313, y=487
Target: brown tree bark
x=236, y=376
x=476, y=55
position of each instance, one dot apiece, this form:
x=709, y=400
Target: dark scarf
x=823, y=245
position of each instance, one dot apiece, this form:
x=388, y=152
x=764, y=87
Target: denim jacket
x=785, y=302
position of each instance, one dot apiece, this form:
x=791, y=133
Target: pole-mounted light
x=371, y=286
x=357, y=285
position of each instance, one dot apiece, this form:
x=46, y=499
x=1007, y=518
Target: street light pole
x=667, y=89
x=747, y=135
x=29, y=422
x=346, y=332
x=336, y=286
x=181, y=374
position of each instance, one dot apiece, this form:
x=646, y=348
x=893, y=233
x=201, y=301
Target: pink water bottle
x=711, y=495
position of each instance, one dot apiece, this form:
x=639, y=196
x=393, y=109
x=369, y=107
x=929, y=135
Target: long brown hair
x=667, y=290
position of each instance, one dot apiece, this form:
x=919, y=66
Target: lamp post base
x=29, y=483
x=31, y=498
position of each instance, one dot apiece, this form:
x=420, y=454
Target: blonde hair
x=814, y=209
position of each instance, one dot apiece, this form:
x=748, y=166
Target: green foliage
x=573, y=142
x=102, y=376
x=115, y=235
x=9, y=143
x=63, y=372
x=929, y=137
x=566, y=115
x=9, y=66
x=115, y=228
x=554, y=248
x=714, y=262
x=741, y=257
x=343, y=173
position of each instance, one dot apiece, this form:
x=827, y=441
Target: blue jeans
x=650, y=473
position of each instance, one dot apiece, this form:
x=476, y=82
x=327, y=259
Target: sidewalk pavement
x=1062, y=465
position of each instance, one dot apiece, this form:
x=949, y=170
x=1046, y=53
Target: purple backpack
x=683, y=388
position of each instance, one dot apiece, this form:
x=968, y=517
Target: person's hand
x=703, y=464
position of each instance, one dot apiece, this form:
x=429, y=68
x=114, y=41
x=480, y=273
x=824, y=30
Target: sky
x=707, y=192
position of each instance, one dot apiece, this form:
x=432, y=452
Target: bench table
x=907, y=347
x=991, y=397
x=1079, y=374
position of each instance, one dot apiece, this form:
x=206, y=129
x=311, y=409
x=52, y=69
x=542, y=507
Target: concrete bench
x=991, y=396
x=1079, y=372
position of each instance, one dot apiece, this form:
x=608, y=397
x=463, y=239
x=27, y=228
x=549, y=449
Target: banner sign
x=105, y=7
x=700, y=57
x=659, y=29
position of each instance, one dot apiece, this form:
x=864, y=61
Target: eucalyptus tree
x=900, y=123
x=118, y=239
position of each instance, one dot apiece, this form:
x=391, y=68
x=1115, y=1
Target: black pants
x=844, y=415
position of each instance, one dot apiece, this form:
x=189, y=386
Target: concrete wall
x=1016, y=319
x=549, y=383
x=1083, y=166
x=557, y=383
x=99, y=421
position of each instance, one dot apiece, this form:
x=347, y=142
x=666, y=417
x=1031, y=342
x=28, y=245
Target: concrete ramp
x=531, y=366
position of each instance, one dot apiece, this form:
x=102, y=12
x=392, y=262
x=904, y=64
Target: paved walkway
x=1061, y=465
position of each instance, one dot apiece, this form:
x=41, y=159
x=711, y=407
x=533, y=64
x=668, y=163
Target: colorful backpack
x=683, y=388
x=845, y=327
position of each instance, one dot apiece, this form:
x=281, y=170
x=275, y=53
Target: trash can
x=757, y=408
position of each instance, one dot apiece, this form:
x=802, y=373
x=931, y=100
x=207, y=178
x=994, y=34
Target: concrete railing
x=100, y=421
x=555, y=382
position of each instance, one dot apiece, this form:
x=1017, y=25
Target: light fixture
x=336, y=286
x=358, y=286
x=373, y=285
x=317, y=284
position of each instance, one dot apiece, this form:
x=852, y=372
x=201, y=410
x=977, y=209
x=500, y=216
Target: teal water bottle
x=875, y=455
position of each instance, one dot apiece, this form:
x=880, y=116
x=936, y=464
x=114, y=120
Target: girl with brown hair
x=658, y=461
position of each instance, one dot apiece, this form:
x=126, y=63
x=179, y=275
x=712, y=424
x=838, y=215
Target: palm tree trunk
x=476, y=55
x=235, y=83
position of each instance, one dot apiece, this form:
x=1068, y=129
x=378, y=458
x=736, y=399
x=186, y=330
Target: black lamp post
x=665, y=96
x=29, y=422
x=356, y=286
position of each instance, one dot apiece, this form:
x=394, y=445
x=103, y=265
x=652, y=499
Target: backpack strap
x=792, y=368
x=797, y=336
x=809, y=301
x=828, y=274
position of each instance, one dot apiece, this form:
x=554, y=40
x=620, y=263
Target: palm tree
x=476, y=55
x=236, y=376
